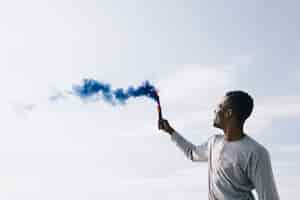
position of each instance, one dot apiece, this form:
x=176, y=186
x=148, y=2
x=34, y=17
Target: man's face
x=220, y=118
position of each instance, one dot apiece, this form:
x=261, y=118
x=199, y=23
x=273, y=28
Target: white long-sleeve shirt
x=235, y=168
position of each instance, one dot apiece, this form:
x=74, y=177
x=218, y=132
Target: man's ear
x=229, y=113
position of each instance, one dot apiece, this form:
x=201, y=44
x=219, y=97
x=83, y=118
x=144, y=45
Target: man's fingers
x=163, y=124
x=159, y=125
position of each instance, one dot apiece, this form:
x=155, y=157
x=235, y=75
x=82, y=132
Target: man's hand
x=164, y=125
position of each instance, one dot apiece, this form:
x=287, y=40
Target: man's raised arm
x=191, y=151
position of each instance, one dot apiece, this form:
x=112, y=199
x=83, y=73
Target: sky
x=192, y=51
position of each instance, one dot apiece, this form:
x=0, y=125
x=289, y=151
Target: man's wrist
x=171, y=131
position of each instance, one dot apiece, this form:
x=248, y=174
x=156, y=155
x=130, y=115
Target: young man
x=237, y=163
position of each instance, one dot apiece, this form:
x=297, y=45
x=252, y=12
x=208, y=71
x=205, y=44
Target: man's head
x=234, y=108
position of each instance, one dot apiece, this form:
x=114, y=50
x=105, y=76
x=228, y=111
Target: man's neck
x=233, y=133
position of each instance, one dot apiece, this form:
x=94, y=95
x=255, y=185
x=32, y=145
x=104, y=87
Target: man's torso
x=228, y=165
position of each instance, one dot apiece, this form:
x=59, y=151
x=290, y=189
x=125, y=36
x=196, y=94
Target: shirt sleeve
x=191, y=151
x=261, y=175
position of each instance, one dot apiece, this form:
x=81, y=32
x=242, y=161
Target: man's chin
x=216, y=125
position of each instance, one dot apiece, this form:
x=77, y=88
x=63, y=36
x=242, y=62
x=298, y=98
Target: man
x=237, y=164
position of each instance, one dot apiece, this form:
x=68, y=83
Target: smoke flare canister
x=160, y=117
x=159, y=112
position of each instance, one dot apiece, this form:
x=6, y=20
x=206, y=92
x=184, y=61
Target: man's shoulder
x=215, y=137
x=248, y=144
x=254, y=146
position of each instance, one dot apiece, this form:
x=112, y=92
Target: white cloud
x=269, y=108
x=14, y=183
x=279, y=106
x=290, y=148
x=196, y=83
x=187, y=181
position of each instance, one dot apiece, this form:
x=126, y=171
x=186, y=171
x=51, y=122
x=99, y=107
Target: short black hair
x=241, y=104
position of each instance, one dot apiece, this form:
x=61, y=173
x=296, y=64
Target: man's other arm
x=261, y=175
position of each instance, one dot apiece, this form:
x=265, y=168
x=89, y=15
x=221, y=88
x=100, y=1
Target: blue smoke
x=91, y=87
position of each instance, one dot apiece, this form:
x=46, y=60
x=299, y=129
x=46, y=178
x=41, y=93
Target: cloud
x=20, y=184
x=268, y=109
x=185, y=179
x=286, y=175
x=21, y=109
x=279, y=106
x=191, y=82
x=290, y=148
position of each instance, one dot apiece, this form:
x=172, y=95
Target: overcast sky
x=192, y=51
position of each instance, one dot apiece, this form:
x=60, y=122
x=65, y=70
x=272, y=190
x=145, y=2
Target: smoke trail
x=91, y=87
